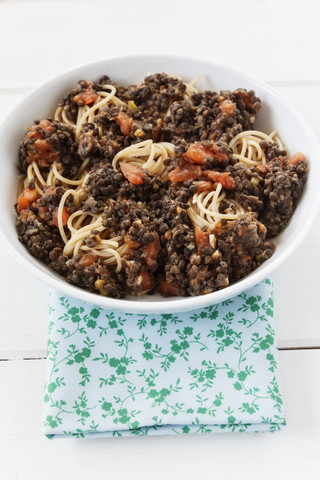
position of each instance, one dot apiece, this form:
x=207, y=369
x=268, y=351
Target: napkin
x=213, y=369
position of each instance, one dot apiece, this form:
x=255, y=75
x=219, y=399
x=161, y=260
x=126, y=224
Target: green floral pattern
x=114, y=373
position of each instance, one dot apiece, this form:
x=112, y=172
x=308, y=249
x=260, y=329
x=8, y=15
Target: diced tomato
x=43, y=146
x=42, y=209
x=262, y=229
x=30, y=195
x=87, y=96
x=185, y=171
x=23, y=203
x=48, y=191
x=227, y=107
x=297, y=158
x=42, y=153
x=150, y=252
x=46, y=125
x=265, y=168
x=220, y=227
x=169, y=289
x=201, y=238
x=65, y=216
x=146, y=282
x=34, y=134
x=222, y=178
x=262, y=168
x=157, y=131
x=204, y=186
x=132, y=173
x=87, y=259
x=125, y=123
x=41, y=150
x=197, y=153
x=217, y=154
x=246, y=98
x=132, y=244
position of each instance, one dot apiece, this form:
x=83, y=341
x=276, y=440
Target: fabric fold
x=113, y=373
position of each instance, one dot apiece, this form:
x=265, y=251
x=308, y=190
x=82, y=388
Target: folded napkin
x=113, y=373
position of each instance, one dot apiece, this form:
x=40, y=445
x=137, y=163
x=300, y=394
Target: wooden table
x=278, y=41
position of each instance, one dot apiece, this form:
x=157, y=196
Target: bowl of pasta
x=156, y=183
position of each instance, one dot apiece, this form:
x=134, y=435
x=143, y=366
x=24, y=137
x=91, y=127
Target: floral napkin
x=113, y=373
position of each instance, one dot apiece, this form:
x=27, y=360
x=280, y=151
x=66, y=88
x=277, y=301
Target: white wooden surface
x=278, y=41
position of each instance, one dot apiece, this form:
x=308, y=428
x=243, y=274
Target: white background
x=278, y=41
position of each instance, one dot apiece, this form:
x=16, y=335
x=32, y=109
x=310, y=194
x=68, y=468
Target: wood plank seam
x=284, y=349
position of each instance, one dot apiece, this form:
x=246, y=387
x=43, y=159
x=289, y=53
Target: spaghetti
x=148, y=155
x=246, y=146
x=204, y=209
x=86, y=113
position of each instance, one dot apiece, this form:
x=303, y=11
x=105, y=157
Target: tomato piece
x=227, y=107
x=262, y=168
x=204, y=186
x=297, y=158
x=197, y=153
x=87, y=259
x=46, y=125
x=145, y=280
x=201, y=238
x=23, y=203
x=65, y=216
x=262, y=228
x=169, y=289
x=43, y=146
x=150, y=252
x=42, y=153
x=48, y=191
x=222, y=178
x=217, y=154
x=132, y=244
x=125, y=123
x=87, y=96
x=30, y=195
x=34, y=134
x=245, y=97
x=185, y=171
x=132, y=173
x=42, y=209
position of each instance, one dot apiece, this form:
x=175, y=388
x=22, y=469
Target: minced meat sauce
x=166, y=253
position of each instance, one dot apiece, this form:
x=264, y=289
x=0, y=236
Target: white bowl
x=276, y=113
